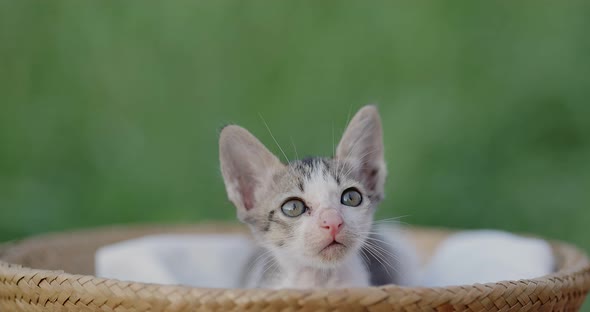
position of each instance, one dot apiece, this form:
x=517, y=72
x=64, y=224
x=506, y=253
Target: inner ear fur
x=247, y=167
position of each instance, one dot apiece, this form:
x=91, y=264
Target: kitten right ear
x=246, y=165
x=362, y=146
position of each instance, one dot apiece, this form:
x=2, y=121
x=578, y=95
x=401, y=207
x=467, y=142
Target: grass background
x=109, y=110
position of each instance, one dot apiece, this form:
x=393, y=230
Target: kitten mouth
x=333, y=245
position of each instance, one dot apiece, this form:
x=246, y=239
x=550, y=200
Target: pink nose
x=331, y=220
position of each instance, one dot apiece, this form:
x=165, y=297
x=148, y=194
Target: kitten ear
x=246, y=165
x=362, y=147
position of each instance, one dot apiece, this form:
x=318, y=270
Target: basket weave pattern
x=47, y=289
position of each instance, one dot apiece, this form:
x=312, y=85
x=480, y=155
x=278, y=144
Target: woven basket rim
x=567, y=287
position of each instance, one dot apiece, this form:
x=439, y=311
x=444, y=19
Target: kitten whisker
x=272, y=263
x=366, y=259
x=294, y=149
x=273, y=138
x=388, y=220
x=276, y=270
x=389, y=253
x=394, y=218
x=259, y=258
x=371, y=235
x=348, y=116
x=333, y=142
x=379, y=259
x=340, y=162
x=373, y=241
x=265, y=256
x=383, y=254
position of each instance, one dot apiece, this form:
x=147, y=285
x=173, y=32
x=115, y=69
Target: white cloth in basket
x=485, y=256
x=199, y=260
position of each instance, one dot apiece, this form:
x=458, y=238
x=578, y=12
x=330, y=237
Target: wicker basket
x=31, y=280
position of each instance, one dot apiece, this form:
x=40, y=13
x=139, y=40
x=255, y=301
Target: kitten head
x=316, y=211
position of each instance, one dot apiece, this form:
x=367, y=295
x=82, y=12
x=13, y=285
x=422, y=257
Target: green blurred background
x=110, y=110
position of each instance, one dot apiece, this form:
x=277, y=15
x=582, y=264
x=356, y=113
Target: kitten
x=313, y=217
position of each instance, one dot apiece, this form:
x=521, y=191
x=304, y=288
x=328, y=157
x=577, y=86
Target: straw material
x=47, y=289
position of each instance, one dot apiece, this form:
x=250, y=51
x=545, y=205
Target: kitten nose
x=331, y=220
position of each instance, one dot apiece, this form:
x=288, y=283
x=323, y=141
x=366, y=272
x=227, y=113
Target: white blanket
x=204, y=260
x=487, y=256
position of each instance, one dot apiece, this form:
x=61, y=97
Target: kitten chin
x=333, y=253
x=330, y=257
x=267, y=270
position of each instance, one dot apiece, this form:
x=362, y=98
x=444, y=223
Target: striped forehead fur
x=308, y=166
x=304, y=169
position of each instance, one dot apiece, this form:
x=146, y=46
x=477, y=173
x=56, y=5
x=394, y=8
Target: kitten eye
x=293, y=208
x=351, y=197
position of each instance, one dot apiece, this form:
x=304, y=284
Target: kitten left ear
x=247, y=167
x=362, y=147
